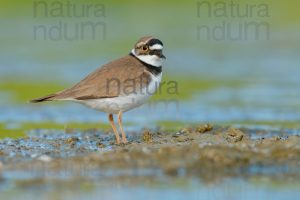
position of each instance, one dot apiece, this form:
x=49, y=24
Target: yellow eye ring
x=145, y=48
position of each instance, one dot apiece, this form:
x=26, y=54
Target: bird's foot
x=124, y=140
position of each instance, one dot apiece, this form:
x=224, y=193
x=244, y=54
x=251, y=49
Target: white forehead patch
x=156, y=47
x=153, y=60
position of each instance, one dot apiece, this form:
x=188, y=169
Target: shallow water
x=231, y=189
x=247, y=105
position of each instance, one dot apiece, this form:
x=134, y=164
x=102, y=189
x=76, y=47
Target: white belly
x=124, y=103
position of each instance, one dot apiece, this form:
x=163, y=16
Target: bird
x=120, y=85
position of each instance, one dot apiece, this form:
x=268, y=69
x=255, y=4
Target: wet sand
x=204, y=152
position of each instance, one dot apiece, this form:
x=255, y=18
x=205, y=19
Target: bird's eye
x=145, y=48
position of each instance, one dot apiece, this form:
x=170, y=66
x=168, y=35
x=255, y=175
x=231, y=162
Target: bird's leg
x=124, y=140
x=112, y=123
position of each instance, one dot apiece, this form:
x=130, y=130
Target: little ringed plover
x=120, y=85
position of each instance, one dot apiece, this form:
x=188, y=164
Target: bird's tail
x=50, y=97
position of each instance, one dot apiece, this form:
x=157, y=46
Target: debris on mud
x=147, y=136
x=234, y=135
x=212, y=155
x=204, y=128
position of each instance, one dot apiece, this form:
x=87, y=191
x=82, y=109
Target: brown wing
x=120, y=77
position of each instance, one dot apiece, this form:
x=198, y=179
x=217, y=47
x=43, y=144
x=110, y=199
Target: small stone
x=100, y=145
x=146, y=150
x=204, y=128
x=71, y=141
x=45, y=158
x=34, y=155
x=147, y=136
x=2, y=153
x=176, y=135
x=186, y=130
x=171, y=171
x=234, y=135
x=181, y=138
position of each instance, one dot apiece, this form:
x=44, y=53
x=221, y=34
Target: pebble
x=45, y=158
x=234, y=135
x=204, y=128
x=147, y=136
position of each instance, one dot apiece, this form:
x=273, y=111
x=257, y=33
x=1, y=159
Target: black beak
x=159, y=54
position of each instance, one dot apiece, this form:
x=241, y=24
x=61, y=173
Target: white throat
x=153, y=60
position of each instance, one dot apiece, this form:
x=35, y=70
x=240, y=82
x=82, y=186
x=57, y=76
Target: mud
x=204, y=152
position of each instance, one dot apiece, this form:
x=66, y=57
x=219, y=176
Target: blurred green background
x=241, y=81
